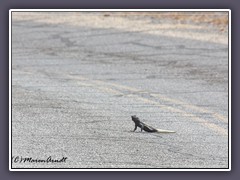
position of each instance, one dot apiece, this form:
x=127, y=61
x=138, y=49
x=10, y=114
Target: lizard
x=146, y=127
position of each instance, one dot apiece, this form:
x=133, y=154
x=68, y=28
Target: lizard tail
x=164, y=131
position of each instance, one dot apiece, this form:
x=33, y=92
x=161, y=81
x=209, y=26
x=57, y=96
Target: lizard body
x=146, y=127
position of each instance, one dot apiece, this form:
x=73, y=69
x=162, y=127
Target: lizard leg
x=135, y=128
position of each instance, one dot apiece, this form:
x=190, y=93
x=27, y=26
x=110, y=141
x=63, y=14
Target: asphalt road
x=75, y=87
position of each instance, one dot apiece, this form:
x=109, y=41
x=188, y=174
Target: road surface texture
x=77, y=77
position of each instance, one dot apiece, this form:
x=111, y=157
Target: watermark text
x=49, y=159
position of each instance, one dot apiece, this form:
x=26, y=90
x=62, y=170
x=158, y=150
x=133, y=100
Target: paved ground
x=78, y=77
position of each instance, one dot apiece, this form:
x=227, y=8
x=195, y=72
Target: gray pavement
x=75, y=87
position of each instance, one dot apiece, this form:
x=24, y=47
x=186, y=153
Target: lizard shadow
x=143, y=132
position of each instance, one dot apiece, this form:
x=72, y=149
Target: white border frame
x=112, y=10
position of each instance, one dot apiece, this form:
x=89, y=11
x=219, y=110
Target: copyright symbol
x=15, y=159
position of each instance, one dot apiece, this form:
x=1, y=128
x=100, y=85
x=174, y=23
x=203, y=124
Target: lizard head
x=135, y=118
